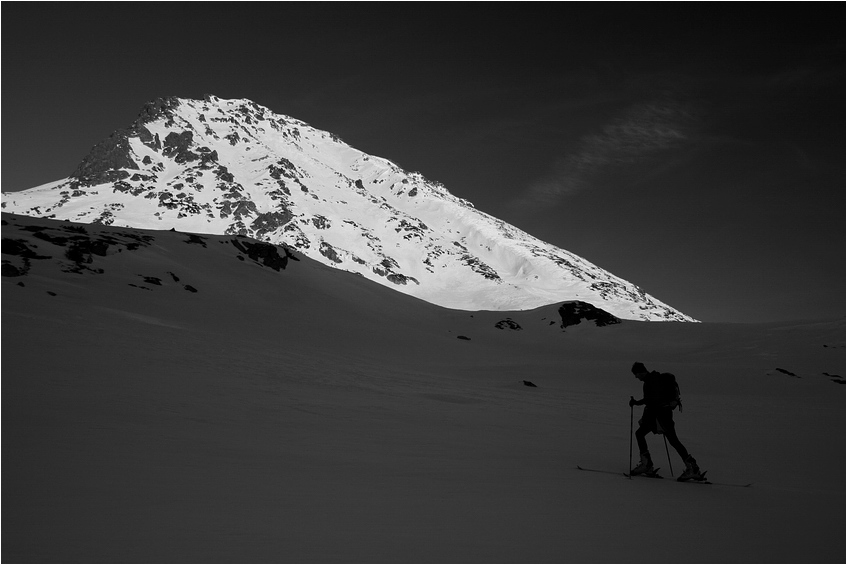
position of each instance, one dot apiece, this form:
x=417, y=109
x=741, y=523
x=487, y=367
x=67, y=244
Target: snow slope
x=175, y=400
x=234, y=167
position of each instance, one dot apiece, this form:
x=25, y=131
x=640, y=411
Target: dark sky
x=694, y=149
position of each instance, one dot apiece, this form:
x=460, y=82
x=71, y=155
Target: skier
x=661, y=396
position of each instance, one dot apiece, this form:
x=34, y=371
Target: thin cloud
x=639, y=133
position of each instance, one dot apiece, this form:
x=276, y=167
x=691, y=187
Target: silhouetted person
x=661, y=396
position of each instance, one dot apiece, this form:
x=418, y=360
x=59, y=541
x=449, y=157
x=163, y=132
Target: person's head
x=639, y=370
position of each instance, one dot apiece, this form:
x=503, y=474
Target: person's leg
x=645, y=463
x=667, y=423
x=646, y=425
x=692, y=470
x=640, y=435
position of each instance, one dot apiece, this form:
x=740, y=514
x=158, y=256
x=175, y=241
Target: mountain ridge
x=48, y=255
x=233, y=167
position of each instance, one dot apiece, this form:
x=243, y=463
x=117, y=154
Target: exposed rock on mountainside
x=575, y=312
x=267, y=253
x=73, y=249
x=508, y=323
x=233, y=167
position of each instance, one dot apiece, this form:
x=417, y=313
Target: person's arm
x=633, y=402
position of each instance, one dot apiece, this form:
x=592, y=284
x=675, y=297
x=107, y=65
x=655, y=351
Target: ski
x=654, y=475
x=702, y=481
x=657, y=476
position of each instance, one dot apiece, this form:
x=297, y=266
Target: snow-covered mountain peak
x=234, y=167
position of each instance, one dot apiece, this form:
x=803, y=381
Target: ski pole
x=630, y=441
x=668, y=452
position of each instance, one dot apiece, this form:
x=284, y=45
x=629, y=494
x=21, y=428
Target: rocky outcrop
x=270, y=222
x=76, y=247
x=265, y=253
x=105, y=161
x=574, y=312
x=508, y=324
x=82, y=249
x=157, y=109
x=329, y=252
x=176, y=147
x=397, y=278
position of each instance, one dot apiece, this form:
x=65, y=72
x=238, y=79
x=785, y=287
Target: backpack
x=669, y=390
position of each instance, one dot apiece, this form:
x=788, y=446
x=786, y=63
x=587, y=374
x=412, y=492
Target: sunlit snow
x=250, y=171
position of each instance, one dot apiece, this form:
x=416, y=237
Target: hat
x=638, y=368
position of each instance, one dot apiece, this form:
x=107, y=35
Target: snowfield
x=232, y=167
x=170, y=397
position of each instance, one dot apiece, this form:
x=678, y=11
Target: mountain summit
x=234, y=167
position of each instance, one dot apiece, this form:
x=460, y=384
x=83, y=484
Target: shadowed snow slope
x=182, y=398
x=232, y=167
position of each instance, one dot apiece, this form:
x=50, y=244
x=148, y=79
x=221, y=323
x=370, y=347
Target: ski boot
x=692, y=471
x=645, y=467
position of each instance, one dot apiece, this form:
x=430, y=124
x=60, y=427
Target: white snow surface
x=167, y=399
x=249, y=171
